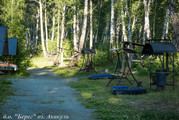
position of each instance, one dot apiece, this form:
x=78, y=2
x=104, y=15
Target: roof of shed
x=159, y=48
x=12, y=43
x=3, y=41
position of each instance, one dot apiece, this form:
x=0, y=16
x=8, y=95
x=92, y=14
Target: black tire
x=129, y=90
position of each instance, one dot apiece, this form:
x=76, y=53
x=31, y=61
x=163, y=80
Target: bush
x=102, y=54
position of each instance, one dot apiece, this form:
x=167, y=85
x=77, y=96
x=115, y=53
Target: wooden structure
x=3, y=41
x=164, y=49
x=88, y=60
x=126, y=70
x=8, y=47
x=65, y=54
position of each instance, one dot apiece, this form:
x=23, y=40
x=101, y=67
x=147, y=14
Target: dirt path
x=44, y=96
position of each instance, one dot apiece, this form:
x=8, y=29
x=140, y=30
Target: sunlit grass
x=155, y=105
x=40, y=62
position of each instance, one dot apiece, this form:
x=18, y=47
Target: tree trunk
x=37, y=30
x=123, y=32
x=123, y=24
x=58, y=31
x=41, y=26
x=129, y=23
x=112, y=25
x=154, y=21
x=34, y=36
x=165, y=26
x=77, y=29
x=135, y=18
x=63, y=27
x=82, y=38
x=74, y=30
x=46, y=30
x=105, y=34
x=96, y=36
x=117, y=32
x=146, y=23
x=91, y=24
x=53, y=26
x=62, y=36
x=174, y=15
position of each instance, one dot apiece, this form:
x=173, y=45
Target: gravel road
x=44, y=96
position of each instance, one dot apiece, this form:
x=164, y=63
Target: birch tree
x=75, y=30
x=53, y=25
x=166, y=25
x=41, y=26
x=62, y=36
x=112, y=24
x=46, y=29
x=124, y=35
x=91, y=24
x=83, y=34
x=174, y=15
x=63, y=27
x=58, y=30
x=146, y=20
x=37, y=29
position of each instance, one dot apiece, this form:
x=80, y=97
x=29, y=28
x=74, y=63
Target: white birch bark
x=58, y=31
x=41, y=26
x=129, y=24
x=146, y=20
x=62, y=37
x=91, y=24
x=63, y=27
x=123, y=26
x=82, y=37
x=117, y=31
x=46, y=29
x=165, y=26
x=77, y=28
x=112, y=25
x=37, y=30
x=53, y=26
x=74, y=30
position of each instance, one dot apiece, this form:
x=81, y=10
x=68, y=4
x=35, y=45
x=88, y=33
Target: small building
x=12, y=46
x=8, y=47
x=3, y=41
x=165, y=50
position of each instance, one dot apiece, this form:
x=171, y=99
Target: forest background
x=44, y=26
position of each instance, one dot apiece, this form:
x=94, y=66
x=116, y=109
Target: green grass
x=155, y=105
x=40, y=62
x=5, y=90
x=48, y=102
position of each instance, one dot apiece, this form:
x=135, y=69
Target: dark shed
x=159, y=48
x=12, y=43
x=3, y=41
x=164, y=49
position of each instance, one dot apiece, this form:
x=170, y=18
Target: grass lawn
x=5, y=89
x=155, y=105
